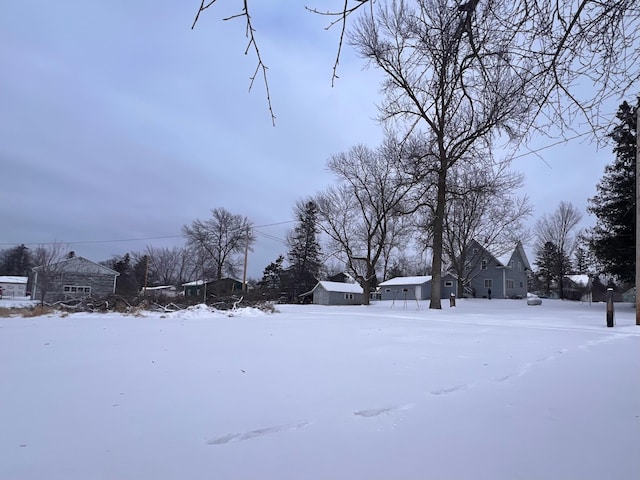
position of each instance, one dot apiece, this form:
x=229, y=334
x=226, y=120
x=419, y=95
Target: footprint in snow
x=239, y=437
x=374, y=412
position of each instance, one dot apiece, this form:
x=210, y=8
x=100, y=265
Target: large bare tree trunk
x=438, y=230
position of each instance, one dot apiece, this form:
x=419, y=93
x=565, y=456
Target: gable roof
x=504, y=255
x=78, y=265
x=416, y=280
x=339, y=287
x=13, y=279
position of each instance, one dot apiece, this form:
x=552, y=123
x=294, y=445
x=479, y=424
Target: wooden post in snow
x=609, y=307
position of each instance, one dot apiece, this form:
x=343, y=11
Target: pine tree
x=612, y=240
x=546, y=261
x=126, y=283
x=271, y=283
x=304, y=252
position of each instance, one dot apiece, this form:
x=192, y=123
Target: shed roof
x=339, y=287
x=13, y=279
x=417, y=280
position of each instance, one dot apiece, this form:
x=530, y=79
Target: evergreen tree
x=16, y=261
x=553, y=264
x=581, y=260
x=271, y=283
x=613, y=238
x=546, y=261
x=126, y=283
x=304, y=252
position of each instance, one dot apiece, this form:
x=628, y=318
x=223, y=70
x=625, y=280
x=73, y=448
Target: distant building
x=415, y=288
x=336, y=293
x=504, y=274
x=162, y=290
x=222, y=287
x=341, y=277
x=74, y=277
x=11, y=287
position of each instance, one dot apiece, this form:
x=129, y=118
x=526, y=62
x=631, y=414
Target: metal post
x=610, y=307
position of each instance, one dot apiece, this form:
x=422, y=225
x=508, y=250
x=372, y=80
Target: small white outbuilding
x=11, y=287
x=336, y=293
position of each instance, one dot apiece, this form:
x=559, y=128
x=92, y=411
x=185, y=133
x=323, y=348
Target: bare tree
x=168, y=265
x=358, y=214
x=220, y=240
x=566, y=42
x=46, y=259
x=482, y=206
x=400, y=231
x=458, y=94
x=559, y=229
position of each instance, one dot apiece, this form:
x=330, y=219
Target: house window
x=387, y=290
x=348, y=296
x=483, y=265
x=76, y=289
x=448, y=283
x=509, y=283
x=521, y=284
x=519, y=266
x=475, y=250
x=488, y=283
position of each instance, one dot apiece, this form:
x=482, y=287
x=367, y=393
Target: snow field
x=487, y=390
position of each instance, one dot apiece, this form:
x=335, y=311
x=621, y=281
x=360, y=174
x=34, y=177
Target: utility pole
x=146, y=274
x=637, y=213
x=246, y=256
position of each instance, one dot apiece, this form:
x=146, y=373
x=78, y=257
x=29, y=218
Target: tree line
x=461, y=77
x=378, y=221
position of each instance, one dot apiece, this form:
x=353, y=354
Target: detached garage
x=11, y=287
x=406, y=288
x=336, y=293
x=416, y=288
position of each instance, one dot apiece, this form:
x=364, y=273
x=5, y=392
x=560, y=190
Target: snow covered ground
x=487, y=390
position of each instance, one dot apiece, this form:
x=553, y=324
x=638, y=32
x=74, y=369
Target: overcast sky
x=120, y=122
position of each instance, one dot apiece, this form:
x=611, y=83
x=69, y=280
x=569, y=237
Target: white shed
x=11, y=287
x=336, y=293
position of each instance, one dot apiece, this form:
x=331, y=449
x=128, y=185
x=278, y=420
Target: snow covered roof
x=197, y=283
x=417, y=280
x=340, y=287
x=579, y=279
x=78, y=265
x=12, y=279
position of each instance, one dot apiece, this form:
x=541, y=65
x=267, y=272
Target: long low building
x=415, y=288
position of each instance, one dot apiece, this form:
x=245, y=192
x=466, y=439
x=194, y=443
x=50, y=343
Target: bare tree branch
x=261, y=67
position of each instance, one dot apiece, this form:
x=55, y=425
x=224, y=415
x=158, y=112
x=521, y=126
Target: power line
x=139, y=239
x=271, y=237
x=95, y=241
x=559, y=142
